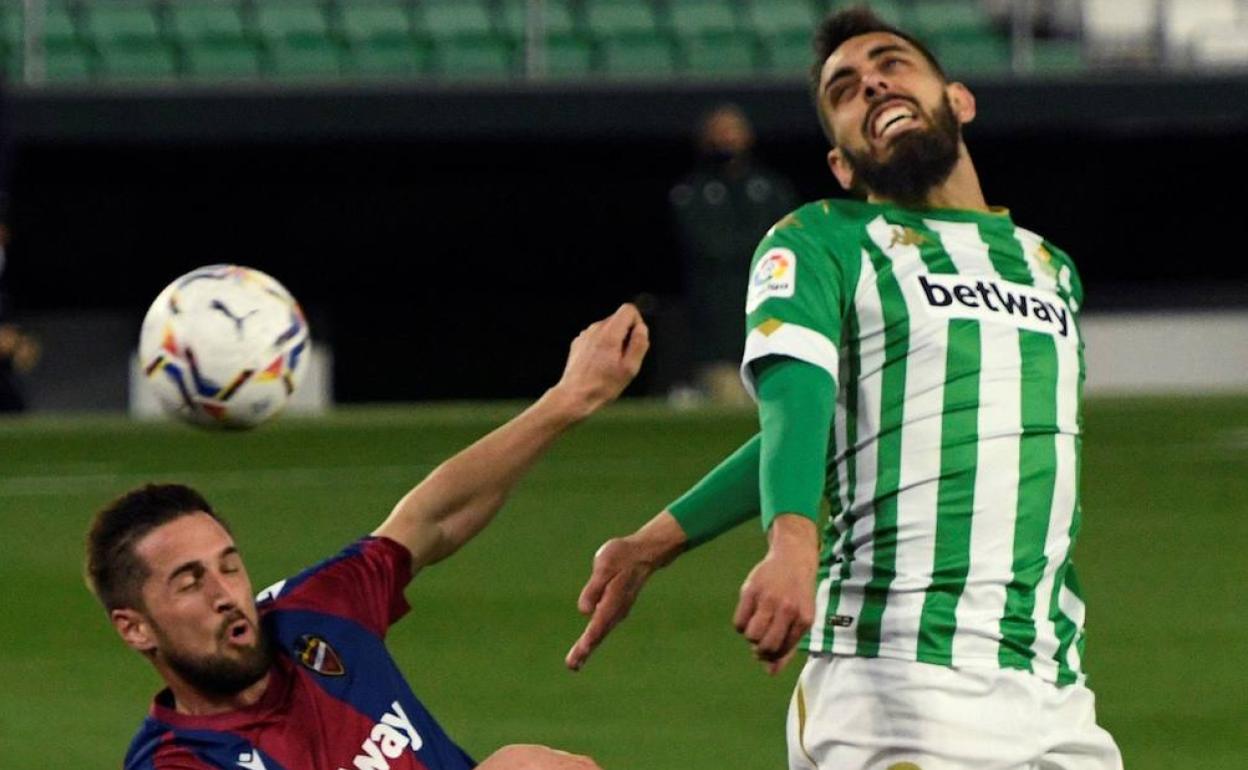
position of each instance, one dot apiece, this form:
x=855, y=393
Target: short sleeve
x=364, y=583
x=795, y=302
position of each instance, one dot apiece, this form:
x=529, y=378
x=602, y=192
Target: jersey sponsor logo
x=316, y=654
x=954, y=296
x=842, y=621
x=775, y=275
x=251, y=760
x=388, y=739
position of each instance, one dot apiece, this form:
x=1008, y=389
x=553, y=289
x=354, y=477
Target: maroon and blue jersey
x=335, y=699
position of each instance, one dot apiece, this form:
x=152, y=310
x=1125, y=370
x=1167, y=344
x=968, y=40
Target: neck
x=193, y=702
x=960, y=190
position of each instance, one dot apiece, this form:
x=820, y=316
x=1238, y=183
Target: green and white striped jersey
x=953, y=462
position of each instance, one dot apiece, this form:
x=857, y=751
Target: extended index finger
x=617, y=325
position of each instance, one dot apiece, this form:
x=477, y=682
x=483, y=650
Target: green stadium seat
x=949, y=18
x=375, y=21
x=569, y=56
x=702, y=17
x=455, y=18
x=149, y=61
x=721, y=54
x=639, y=55
x=961, y=56
x=780, y=17
x=474, y=57
x=297, y=36
x=60, y=26
x=1058, y=56
x=222, y=59
x=789, y=53
x=609, y=18
x=893, y=11
x=68, y=61
x=557, y=17
x=388, y=57
x=127, y=37
x=214, y=21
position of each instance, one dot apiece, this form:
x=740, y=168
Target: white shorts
x=853, y=713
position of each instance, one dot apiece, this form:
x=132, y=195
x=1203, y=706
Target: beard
x=920, y=160
x=219, y=674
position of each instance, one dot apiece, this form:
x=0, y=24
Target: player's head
x=165, y=566
x=725, y=132
x=894, y=120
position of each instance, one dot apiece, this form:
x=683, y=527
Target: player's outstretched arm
x=459, y=498
x=724, y=498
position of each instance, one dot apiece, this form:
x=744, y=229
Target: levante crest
x=316, y=653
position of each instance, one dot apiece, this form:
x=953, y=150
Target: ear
x=134, y=629
x=963, y=102
x=841, y=169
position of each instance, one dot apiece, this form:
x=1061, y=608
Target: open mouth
x=892, y=117
x=239, y=632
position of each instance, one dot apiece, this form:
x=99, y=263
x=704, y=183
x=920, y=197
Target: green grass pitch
x=1162, y=560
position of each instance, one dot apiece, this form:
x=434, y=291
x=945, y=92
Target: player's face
x=895, y=120
x=198, y=598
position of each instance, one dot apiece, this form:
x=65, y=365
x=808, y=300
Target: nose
x=222, y=600
x=874, y=86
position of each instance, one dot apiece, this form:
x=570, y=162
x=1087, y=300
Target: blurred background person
x=721, y=209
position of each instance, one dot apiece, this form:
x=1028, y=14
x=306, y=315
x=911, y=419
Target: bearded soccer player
x=300, y=679
x=917, y=363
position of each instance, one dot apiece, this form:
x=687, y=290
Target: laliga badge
x=774, y=276
x=316, y=654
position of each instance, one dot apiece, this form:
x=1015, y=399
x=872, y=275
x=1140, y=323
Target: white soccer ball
x=224, y=346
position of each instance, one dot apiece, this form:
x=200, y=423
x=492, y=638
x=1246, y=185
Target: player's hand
x=621, y=567
x=603, y=360
x=777, y=603
x=530, y=757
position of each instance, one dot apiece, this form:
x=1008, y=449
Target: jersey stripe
x=889, y=449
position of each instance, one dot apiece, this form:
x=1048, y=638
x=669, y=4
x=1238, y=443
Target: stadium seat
x=557, y=18
x=951, y=18
x=379, y=39
x=610, y=18
x=455, y=18
x=638, y=55
x=474, y=57
x=973, y=56
x=789, y=53
x=721, y=54
x=893, y=11
x=128, y=39
x=297, y=35
x=701, y=17
x=569, y=56
x=216, y=42
x=1223, y=46
x=68, y=61
x=770, y=18
x=1182, y=22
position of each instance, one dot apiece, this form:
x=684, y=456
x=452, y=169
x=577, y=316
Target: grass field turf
x=1161, y=557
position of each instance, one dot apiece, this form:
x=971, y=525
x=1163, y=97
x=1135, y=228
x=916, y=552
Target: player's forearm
x=460, y=497
x=724, y=498
x=795, y=410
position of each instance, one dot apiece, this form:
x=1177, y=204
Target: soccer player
x=300, y=678
x=917, y=362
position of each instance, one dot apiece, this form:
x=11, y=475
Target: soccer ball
x=224, y=346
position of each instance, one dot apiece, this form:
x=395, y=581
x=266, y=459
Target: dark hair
x=115, y=573
x=843, y=25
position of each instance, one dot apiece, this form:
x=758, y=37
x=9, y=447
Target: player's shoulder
x=366, y=548
x=821, y=220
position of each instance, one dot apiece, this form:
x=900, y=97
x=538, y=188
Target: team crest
x=316, y=653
